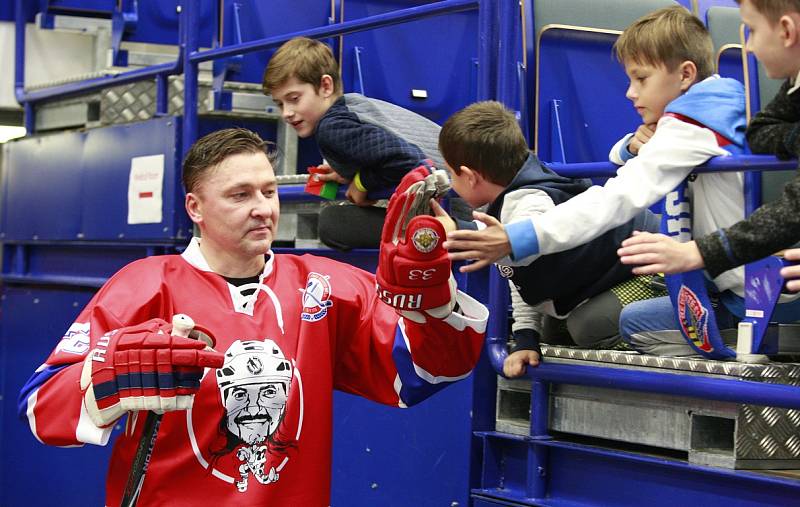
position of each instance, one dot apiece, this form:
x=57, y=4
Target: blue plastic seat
x=580, y=109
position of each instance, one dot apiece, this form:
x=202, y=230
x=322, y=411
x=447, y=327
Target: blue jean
x=650, y=327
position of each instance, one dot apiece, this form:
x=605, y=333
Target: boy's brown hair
x=485, y=137
x=210, y=150
x=305, y=59
x=774, y=9
x=668, y=37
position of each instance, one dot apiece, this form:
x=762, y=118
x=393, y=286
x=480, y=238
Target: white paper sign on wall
x=145, y=189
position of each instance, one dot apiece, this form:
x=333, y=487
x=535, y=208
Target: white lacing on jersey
x=244, y=299
x=245, y=296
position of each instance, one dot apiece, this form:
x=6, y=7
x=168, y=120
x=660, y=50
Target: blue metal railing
x=718, y=164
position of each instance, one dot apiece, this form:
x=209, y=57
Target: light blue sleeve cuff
x=522, y=236
x=624, y=154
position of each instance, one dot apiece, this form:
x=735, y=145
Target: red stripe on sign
x=142, y=195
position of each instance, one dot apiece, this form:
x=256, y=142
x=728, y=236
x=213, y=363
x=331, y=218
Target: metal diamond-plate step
x=711, y=432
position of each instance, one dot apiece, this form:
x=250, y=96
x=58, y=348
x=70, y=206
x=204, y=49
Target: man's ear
x=326, y=86
x=193, y=208
x=688, y=71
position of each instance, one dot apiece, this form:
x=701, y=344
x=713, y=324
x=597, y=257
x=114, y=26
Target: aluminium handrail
x=716, y=164
x=25, y=98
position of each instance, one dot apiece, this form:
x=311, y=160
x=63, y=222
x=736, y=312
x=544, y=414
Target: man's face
x=301, y=105
x=255, y=410
x=766, y=42
x=652, y=88
x=236, y=206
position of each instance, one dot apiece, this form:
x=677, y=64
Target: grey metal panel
x=711, y=432
x=723, y=25
x=606, y=14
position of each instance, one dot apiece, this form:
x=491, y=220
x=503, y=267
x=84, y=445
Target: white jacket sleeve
x=522, y=204
x=671, y=154
x=619, y=153
x=525, y=316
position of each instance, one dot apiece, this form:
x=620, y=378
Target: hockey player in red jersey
x=249, y=421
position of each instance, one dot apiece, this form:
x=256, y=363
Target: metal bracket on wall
x=123, y=20
x=221, y=68
x=556, y=138
x=359, y=84
x=287, y=144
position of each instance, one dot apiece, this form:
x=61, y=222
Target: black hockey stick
x=181, y=326
x=141, y=460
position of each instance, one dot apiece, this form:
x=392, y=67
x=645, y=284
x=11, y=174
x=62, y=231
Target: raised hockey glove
x=146, y=367
x=414, y=273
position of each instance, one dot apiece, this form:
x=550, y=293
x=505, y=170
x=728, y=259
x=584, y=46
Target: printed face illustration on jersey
x=254, y=386
x=260, y=423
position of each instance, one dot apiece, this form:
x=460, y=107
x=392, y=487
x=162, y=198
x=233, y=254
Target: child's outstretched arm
x=657, y=253
x=668, y=157
x=483, y=247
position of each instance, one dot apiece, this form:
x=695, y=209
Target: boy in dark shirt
x=366, y=143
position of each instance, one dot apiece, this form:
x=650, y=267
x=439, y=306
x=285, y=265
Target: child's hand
x=330, y=175
x=357, y=197
x=442, y=216
x=483, y=247
x=657, y=253
x=516, y=362
x=792, y=273
x=640, y=137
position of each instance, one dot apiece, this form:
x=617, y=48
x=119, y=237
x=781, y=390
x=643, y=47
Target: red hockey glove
x=413, y=270
x=146, y=367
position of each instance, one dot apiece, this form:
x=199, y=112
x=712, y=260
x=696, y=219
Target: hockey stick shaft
x=141, y=460
x=181, y=326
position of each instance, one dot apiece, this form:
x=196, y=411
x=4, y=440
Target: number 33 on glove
x=414, y=273
x=153, y=366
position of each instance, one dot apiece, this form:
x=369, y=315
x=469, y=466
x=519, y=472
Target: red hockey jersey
x=259, y=432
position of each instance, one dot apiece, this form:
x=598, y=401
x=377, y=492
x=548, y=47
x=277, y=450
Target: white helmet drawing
x=253, y=362
x=254, y=385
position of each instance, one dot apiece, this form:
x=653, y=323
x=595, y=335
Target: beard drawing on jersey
x=255, y=411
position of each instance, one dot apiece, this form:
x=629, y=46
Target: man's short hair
x=774, y=9
x=210, y=150
x=485, y=137
x=669, y=37
x=305, y=59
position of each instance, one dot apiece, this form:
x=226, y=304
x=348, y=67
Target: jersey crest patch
x=316, y=297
